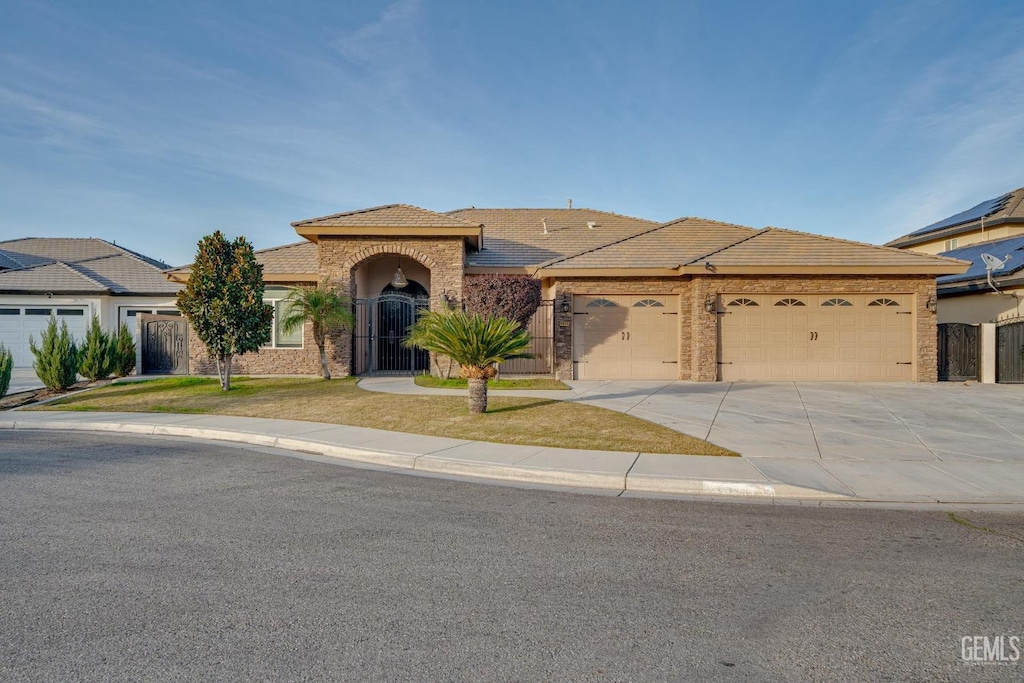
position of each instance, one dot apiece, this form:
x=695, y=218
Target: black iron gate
x=163, y=342
x=958, y=352
x=1010, y=351
x=382, y=323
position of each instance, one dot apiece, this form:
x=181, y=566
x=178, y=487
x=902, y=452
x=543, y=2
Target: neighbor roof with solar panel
x=1006, y=208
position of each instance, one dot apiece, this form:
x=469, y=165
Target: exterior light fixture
x=566, y=304
x=709, y=304
x=399, y=281
x=931, y=304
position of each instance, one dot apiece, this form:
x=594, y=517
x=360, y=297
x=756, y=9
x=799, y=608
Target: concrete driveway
x=24, y=379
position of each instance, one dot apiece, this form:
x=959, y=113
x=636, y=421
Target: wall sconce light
x=709, y=304
x=566, y=303
x=931, y=304
x=448, y=299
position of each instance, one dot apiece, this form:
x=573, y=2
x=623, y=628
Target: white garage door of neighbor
x=626, y=337
x=19, y=323
x=829, y=337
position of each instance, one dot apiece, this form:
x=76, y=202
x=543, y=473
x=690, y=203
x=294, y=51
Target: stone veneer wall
x=618, y=286
x=338, y=257
x=304, y=361
x=704, y=333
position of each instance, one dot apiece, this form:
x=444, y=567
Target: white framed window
x=951, y=244
x=279, y=339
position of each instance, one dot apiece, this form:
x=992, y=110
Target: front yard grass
x=545, y=383
x=522, y=421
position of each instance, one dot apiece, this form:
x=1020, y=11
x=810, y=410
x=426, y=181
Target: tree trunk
x=226, y=381
x=477, y=394
x=323, y=361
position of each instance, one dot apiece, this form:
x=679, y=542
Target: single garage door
x=837, y=337
x=19, y=323
x=626, y=337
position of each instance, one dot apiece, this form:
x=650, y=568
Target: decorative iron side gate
x=1010, y=351
x=164, y=345
x=542, y=348
x=958, y=352
x=382, y=323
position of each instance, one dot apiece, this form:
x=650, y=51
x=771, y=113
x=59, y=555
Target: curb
x=638, y=483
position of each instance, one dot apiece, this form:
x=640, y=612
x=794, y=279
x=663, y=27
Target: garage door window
x=836, y=302
x=648, y=303
x=601, y=303
x=10, y=311
x=790, y=302
x=37, y=311
x=742, y=302
x=70, y=311
x=884, y=302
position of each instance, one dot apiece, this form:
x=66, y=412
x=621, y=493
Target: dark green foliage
x=95, y=359
x=122, y=352
x=223, y=301
x=56, y=362
x=6, y=368
x=514, y=297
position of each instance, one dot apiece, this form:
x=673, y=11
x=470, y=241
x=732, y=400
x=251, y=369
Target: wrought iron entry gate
x=382, y=323
x=958, y=352
x=163, y=342
x=1010, y=351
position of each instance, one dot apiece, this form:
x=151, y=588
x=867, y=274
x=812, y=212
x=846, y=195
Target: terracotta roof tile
x=390, y=215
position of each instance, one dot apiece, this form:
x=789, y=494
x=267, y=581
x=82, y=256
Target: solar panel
x=986, y=208
x=1013, y=246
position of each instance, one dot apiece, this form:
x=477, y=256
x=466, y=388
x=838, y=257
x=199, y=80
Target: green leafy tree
x=122, y=352
x=96, y=358
x=323, y=306
x=223, y=301
x=476, y=343
x=6, y=369
x=56, y=362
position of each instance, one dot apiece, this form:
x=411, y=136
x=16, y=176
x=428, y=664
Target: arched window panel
x=836, y=302
x=789, y=302
x=648, y=303
x=884, y=302
x=742, y=302
x=601, y=303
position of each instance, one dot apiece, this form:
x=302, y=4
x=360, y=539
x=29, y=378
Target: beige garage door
x=830, y=337
x=626, y=337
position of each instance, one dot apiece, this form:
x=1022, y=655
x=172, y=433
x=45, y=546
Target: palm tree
x=476, y=343
x=324, y=306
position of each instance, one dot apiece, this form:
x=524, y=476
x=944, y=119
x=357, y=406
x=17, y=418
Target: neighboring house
x=994, y=227
x=74, y=279
x=628, y=298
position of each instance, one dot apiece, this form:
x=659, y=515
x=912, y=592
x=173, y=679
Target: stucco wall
x=983, y=307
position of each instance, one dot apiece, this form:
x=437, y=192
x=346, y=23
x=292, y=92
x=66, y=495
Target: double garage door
x=20, y=323
x=626, y=337
x=838, y=337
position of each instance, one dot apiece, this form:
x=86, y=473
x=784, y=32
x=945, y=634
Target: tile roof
x=288, y=259
x=1006, y=207
x=1012, y=247
x=669, y=245
x=389, y=215
x=516, y=237
x=80, y=266
x=780, y=247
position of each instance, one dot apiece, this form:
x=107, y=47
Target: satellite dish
x=993, y=263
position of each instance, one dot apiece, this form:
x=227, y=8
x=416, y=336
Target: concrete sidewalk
x=617, y=472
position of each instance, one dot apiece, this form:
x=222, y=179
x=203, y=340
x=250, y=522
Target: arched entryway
x=384, y=314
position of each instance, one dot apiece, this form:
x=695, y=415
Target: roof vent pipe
x=570, y=203
x=544, y=222
x=591, y=225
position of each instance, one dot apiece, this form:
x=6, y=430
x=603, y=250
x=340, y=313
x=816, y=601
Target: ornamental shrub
x=122, y=352
x=96, y=358
x=6, y=368
x=56, y=362
x=513, y=297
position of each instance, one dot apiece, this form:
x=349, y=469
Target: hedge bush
x=56, y=362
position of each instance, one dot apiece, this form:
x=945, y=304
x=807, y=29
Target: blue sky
x=154, y=123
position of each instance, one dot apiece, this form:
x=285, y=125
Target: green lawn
x=545, y=383
x=524, y=421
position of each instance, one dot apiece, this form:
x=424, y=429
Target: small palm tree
x=324, y=306
x=476, y=343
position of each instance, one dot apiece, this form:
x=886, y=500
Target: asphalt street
x=128, y=558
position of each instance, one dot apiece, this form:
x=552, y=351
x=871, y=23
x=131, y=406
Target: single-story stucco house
x=75, y=279
x=626, y=298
